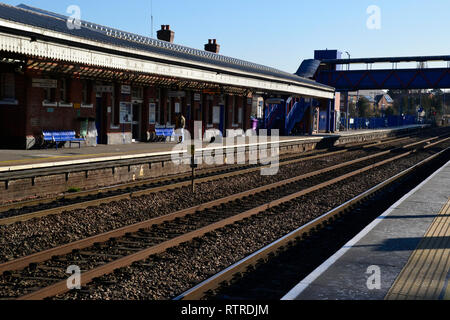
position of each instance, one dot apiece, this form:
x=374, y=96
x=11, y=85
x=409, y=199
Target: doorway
x=99, y=120
x=137, y=121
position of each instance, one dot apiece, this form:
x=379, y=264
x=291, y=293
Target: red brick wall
x=39, y=117
x=119, y=97
x=30, y=117
x=12, y=117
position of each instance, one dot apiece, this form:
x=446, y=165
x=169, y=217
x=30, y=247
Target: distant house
x=378, y=100
x=371, y=99
x=383, y=102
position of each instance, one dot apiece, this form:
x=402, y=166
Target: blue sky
x=279, y=33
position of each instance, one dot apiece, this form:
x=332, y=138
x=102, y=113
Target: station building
x=58, y=74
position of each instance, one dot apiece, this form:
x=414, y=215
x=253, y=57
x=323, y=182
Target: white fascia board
x=18, y=44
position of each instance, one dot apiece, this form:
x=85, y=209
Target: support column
x=347, y=105
x=329, y=125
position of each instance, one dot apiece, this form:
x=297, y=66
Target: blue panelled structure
x=293, y=116
x=329, y=68
x=331, y=73
x=275, y=115
x=399, y=79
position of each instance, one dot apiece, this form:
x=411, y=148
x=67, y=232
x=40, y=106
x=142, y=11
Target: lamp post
x=349, y=57
x=348, y=102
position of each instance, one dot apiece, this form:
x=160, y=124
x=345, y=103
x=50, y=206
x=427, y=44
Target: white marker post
x=193, y=166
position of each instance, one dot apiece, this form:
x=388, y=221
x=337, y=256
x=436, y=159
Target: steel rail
x=129, y=195
x=41, y=201
x=23, y=262
x=151, y=190
x=386, y=142
x=84, y=243
x=61, y=287
x=423, y=141
x=211, y=284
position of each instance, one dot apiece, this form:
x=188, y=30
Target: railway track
x=102, y=254
x=23, y=211
x=268, y=273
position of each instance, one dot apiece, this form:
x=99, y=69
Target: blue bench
x=58, y=137
x=164, y=132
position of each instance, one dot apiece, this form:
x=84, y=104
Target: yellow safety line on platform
x=424, y=276
x=36, y=160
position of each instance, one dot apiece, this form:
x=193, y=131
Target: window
x=49, y=95
x=216, y=114
x=158, y=114
x=169, y=113
x=87, y=92
x=7, y=88
x=154, y=114
x=210, y=111
x=241, y=115
x=235, y=110
x=115, y=114
x=137, y=93
x=63, y=90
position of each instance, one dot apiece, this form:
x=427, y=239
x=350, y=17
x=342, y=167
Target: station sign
x=45, y=83
x=177, y=94
x=126, y=114
x=212, y=91
x=126, y=89
x=104, y=89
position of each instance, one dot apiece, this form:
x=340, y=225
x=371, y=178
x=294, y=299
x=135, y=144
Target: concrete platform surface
x=28, y=159
x=11, y=160
x=404, y=254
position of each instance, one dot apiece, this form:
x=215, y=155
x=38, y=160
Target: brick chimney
x=212, y=46
x=165, y=34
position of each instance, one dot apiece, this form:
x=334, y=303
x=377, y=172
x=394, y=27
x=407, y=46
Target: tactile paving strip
x=425, y=276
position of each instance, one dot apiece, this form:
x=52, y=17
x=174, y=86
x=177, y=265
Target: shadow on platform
x=411, y=244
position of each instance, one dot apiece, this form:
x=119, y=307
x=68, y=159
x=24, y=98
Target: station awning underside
x=55, y=52
x=79, y=71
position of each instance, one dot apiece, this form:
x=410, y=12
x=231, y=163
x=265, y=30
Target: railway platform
x=13, y=160
x=403, y=255
x=31, y=174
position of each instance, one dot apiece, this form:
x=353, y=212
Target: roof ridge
x=181, y=47
x=41, y=12
x=115, y=30
x=171, y=48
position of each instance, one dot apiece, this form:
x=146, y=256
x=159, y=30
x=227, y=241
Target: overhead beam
x=398, y=79
x=385, y=60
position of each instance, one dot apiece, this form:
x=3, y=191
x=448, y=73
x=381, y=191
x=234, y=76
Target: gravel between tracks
x=168, y=274
x=25, y=238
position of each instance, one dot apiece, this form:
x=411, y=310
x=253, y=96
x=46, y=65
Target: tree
x=390, y=112
x=352, y=110
x=364, y=108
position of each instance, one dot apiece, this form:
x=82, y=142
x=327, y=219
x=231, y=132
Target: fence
x=379, y=123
